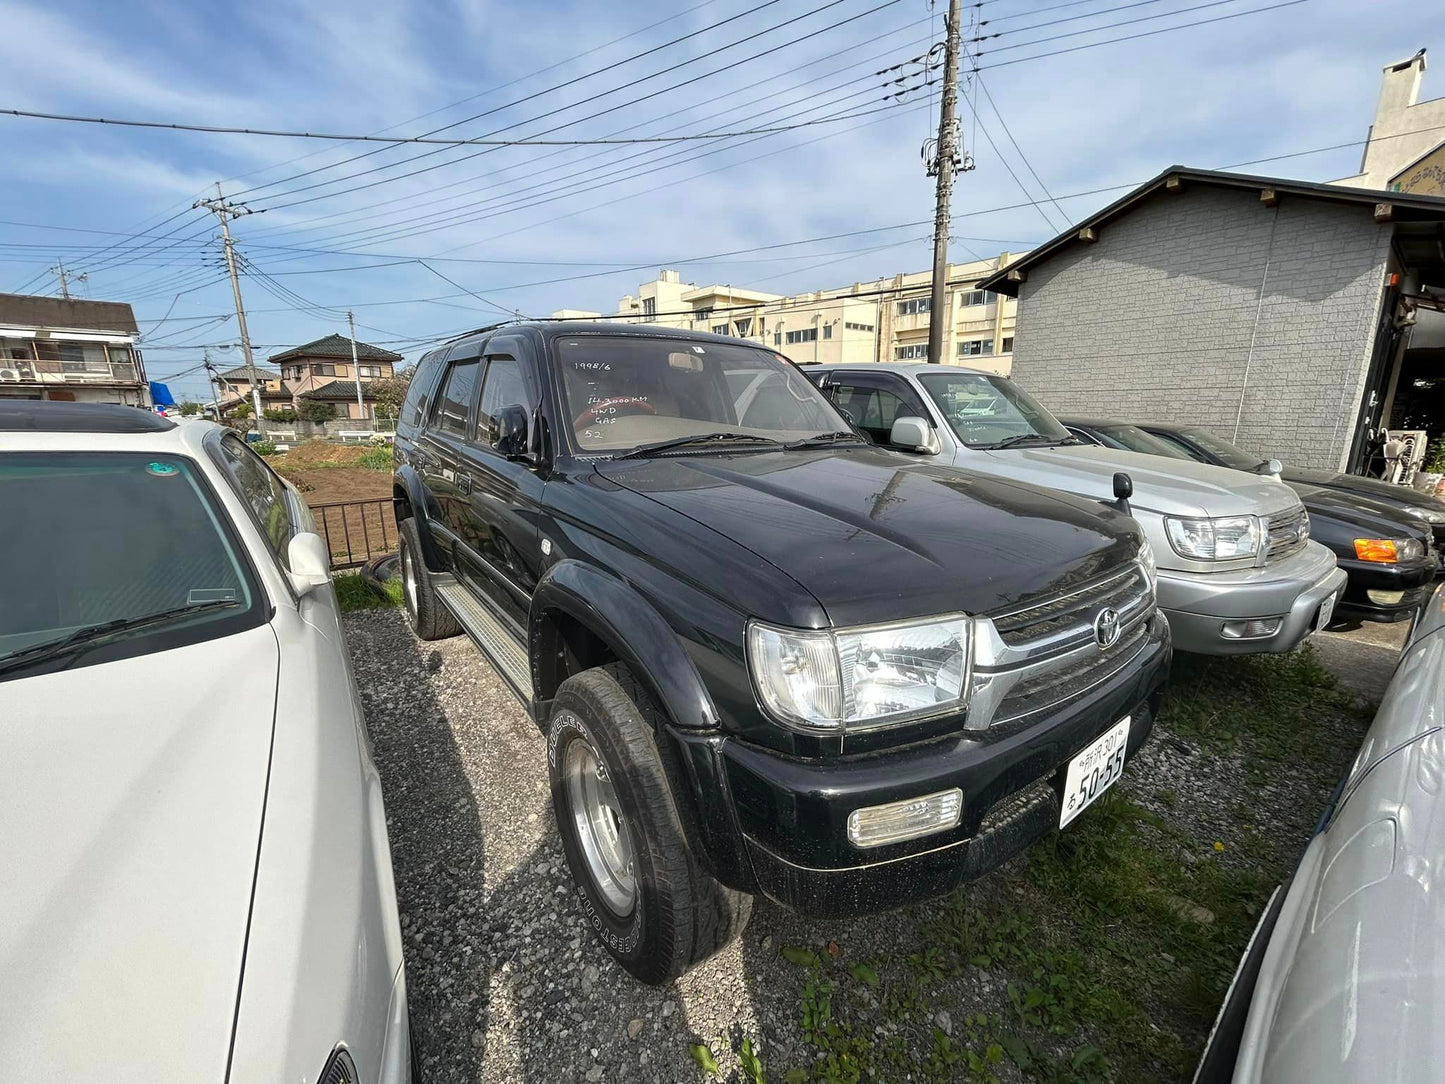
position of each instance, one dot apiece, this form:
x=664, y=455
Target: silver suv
x=1238, y=573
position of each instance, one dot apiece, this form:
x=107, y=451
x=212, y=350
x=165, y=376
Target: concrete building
x=1406, y=148
x=1284, y=315
x=886, y=319
x=71, y=350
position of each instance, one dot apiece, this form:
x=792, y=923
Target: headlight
x=1151, y=567
x=1389, y=551
x=1429, y=515
x=1223, y=539
x=854, y=679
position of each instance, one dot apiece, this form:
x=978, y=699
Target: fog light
x=1386, y=598
x=875, y=825
x=1256, y=628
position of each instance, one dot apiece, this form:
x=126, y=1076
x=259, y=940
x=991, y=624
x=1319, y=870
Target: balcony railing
x=62, y=372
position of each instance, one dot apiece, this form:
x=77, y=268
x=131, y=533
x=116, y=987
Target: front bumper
x=792, y=814
x=1199, y=604
x=1366, y=576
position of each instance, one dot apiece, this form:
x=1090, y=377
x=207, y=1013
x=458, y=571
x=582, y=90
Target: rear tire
x=650, y=902
x=429, y=617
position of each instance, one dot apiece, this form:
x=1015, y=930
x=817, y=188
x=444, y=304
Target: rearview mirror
x=308, y=563
x=511, y=431
x=914, y=434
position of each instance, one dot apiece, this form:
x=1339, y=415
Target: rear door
x=501, y=534
x=875, y=401
x=441, y=448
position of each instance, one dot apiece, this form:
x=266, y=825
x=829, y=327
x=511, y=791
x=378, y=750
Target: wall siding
x=1154, y=320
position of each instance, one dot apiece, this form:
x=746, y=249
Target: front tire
x=429, y=617
x=653, y=906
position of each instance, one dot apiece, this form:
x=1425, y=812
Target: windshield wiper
x=697, y=438
x=1020, y=438
x=89, y=634
x=825, y=438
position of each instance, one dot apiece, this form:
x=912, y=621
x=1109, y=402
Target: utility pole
x=65, y=276
x=355, y=367
x=213, y=383
x=943, y=166
x=225, y=212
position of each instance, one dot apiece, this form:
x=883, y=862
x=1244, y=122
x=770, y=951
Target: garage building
x=1294, y=318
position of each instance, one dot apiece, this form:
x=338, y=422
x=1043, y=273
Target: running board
x=505, y=652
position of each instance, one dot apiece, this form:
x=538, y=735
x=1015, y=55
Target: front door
x=502, y=533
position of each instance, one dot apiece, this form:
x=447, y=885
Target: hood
x=878, y=536
x=1171, y=487
x=1355, y=510
x=133, y=799
x=1365, y=487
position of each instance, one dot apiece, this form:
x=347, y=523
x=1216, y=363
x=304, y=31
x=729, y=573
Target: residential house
x=323, y=371
x=69, y=349
x=235, y=387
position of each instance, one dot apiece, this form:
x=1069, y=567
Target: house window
x=1008, y=345
x=649, y=309
x=915, y=306
x=745, y=327
x=719, y=329
x=777, y=337
x=83, y=358
x=373, y=371
x=975, y=348
x=323, y=370
x=122, y=362
x=858, y=327
x=911, y=352
x=827, y=331
x=15, y=350
x=972, y=297
x=702, y=315
x=803, y=335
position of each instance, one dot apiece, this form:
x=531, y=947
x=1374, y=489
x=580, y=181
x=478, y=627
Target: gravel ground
x=507, y=984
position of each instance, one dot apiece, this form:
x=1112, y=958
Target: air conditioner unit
x=9, y=374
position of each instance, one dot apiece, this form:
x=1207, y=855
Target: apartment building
x=886, y=319
x=71, y=350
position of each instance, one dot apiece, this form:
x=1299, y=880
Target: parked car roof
x=905, y=367
x=20, y=415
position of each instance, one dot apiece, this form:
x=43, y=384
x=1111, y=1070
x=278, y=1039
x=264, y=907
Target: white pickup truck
x=1237, y=571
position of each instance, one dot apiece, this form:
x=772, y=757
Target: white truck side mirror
x=309, y=563
x=915, y=434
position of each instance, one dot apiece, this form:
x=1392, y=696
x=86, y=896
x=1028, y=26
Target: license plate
x=1094, y=771
x=1327, y=611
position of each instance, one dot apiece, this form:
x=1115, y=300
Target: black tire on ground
x=430, y=619
x=679, y=914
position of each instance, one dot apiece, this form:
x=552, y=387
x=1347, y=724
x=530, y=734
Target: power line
x=1022, y=157
x=1105, y=26
x=1059, y=22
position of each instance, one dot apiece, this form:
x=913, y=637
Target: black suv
x=767, y=656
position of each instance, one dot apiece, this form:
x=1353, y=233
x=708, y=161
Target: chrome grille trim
x=1286, y=533
x=1015, y=676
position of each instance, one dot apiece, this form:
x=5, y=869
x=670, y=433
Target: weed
x=354, y=593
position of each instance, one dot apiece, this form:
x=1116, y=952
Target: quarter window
x=262, y=490
x=455, y=402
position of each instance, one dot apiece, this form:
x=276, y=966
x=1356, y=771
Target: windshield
x=1229, y=454
x=99, y=537
x=1131, y=438
x=986, y=411
x=622, y=391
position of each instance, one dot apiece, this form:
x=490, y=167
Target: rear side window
x=418, y=392
x=454, y=403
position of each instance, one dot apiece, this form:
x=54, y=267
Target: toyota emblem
x=1106, y=627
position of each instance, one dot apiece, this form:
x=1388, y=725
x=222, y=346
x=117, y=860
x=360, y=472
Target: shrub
x=378, y=440
x=189, y=409
x=314, y=411
x=280, y=414
x=263, y=447
x=377, y=459
x=241, y=410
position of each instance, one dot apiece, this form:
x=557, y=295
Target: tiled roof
x=338, y=389
x=242, y=373
x=335, y=346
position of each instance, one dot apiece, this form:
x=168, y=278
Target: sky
x=425, y=241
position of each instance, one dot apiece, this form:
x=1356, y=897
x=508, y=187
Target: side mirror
x=511, y=431
x=1269, y=466
x=309, y=563
x=1123, y=490
x=916, y=434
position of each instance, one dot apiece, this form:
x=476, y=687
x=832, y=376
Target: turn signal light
x=1377, y=549
x=873, y=826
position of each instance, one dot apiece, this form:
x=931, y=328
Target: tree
x=189, y=409
x=315, y=410
x=241, y=410
x=280, y=414
x=390, y=391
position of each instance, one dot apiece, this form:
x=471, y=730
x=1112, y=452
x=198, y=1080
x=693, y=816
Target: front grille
x=1078, y=608
x=1286, y=533
x=1049, y=689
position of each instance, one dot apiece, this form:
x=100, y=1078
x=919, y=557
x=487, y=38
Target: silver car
x=1344, y=981
x=197, y=881
x=1237, y=571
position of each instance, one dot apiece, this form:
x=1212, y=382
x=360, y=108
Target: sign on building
x=1423, y=177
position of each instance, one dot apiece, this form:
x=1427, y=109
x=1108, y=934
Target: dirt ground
x=331, y=473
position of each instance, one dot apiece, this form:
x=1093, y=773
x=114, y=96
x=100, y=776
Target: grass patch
x=377, y=459
x=354, y=593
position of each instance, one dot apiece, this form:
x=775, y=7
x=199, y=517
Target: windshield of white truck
x=632, y=394
x=991, y=411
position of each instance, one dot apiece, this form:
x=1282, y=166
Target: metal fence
x=356, y=531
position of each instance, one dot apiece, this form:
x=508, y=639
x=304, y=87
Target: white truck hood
x=133, y=794
x=1171, y=487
